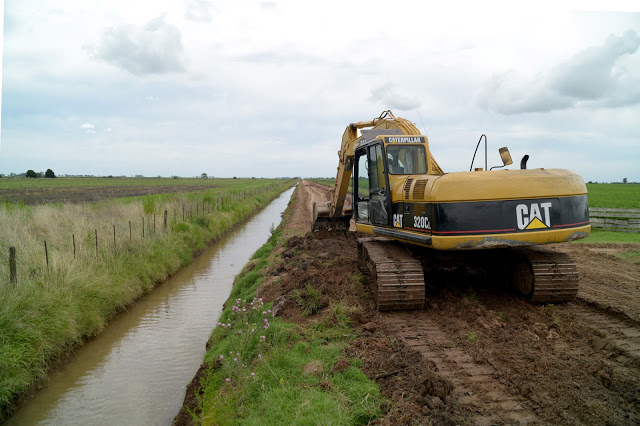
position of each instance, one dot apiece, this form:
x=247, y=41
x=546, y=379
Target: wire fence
x=122, y=235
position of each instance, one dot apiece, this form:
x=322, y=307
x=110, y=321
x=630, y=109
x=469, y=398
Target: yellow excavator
x=401, y=194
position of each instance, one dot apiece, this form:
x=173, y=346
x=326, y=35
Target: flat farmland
x=80, y=190
x=614, y=195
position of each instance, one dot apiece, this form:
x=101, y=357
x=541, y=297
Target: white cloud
x=591, y=77
x=88, y=126
x=199, y=10
x=390, y=97
x=155, y=48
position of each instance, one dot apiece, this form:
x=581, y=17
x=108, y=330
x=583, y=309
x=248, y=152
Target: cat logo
x=397, y=221
x=534, y=216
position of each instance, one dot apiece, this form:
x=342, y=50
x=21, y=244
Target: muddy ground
x=478, y=354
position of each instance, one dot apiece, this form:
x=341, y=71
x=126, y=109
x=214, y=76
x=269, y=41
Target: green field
x=614, y=195
x=78, y=190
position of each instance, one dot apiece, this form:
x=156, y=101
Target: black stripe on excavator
x=419, y=239
x=492, y=217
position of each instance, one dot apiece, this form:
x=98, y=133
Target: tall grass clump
x=52, y=308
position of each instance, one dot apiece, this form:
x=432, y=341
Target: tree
x=204, y=176
x=49, y=174
x=31, y=174
x=624, y=180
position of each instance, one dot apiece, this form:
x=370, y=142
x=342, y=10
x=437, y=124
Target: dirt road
x=302, y=217
x=478, y=354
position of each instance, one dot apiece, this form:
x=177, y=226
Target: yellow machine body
x=400, y=192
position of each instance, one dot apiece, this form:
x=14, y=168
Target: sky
x=266, y=89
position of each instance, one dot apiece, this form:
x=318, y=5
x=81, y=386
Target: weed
x=632, y=256
x=308, y=300
x=472, y=336
x=246, y=334
x=149, y=204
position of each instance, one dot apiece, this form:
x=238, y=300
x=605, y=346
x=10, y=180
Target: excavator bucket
x=322, y=219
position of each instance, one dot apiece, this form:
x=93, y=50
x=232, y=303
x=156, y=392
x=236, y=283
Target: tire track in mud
x=624, y=334
x=474, y=384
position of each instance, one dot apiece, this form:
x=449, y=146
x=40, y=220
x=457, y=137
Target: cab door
x=371, y=186
x=378, y=186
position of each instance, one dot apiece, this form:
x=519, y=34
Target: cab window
x=406, y=159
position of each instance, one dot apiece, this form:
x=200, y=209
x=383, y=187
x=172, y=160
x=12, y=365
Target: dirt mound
x=320, y=271
x=316, y=271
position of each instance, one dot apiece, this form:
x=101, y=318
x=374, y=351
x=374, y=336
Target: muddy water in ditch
x=136, y=371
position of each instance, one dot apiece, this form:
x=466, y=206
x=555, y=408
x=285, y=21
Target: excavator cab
x=380, y=165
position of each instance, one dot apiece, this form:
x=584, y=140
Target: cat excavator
x=403, y=203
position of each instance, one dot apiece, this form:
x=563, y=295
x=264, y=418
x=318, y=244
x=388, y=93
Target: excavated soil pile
x=321, y=270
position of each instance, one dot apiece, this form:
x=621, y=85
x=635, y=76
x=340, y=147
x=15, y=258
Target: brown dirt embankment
x=477, y=354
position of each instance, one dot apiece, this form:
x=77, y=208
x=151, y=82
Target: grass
x=52, y=309
x=614, y=195
x=599, y=236
x=294, y=380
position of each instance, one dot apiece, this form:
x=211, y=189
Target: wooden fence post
x=129, y=230
x=73, y=237
x=46, y=254
x=154, y=223
x=183, y=212
x=96, y=242
x=13, y=275
x=165, y=221
x=115, y=248
x=142, y=226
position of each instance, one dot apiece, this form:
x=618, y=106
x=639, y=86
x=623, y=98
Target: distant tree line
x=48, y=174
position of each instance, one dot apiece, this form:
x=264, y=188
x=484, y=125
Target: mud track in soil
x=477, y=354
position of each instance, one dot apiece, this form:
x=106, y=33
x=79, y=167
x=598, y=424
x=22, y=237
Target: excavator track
x=545, y=276
x=398, y=275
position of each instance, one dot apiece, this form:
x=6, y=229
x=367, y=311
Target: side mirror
x=506, y=157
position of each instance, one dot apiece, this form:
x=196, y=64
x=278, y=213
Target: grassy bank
x=69, y=292
x=265, y=370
